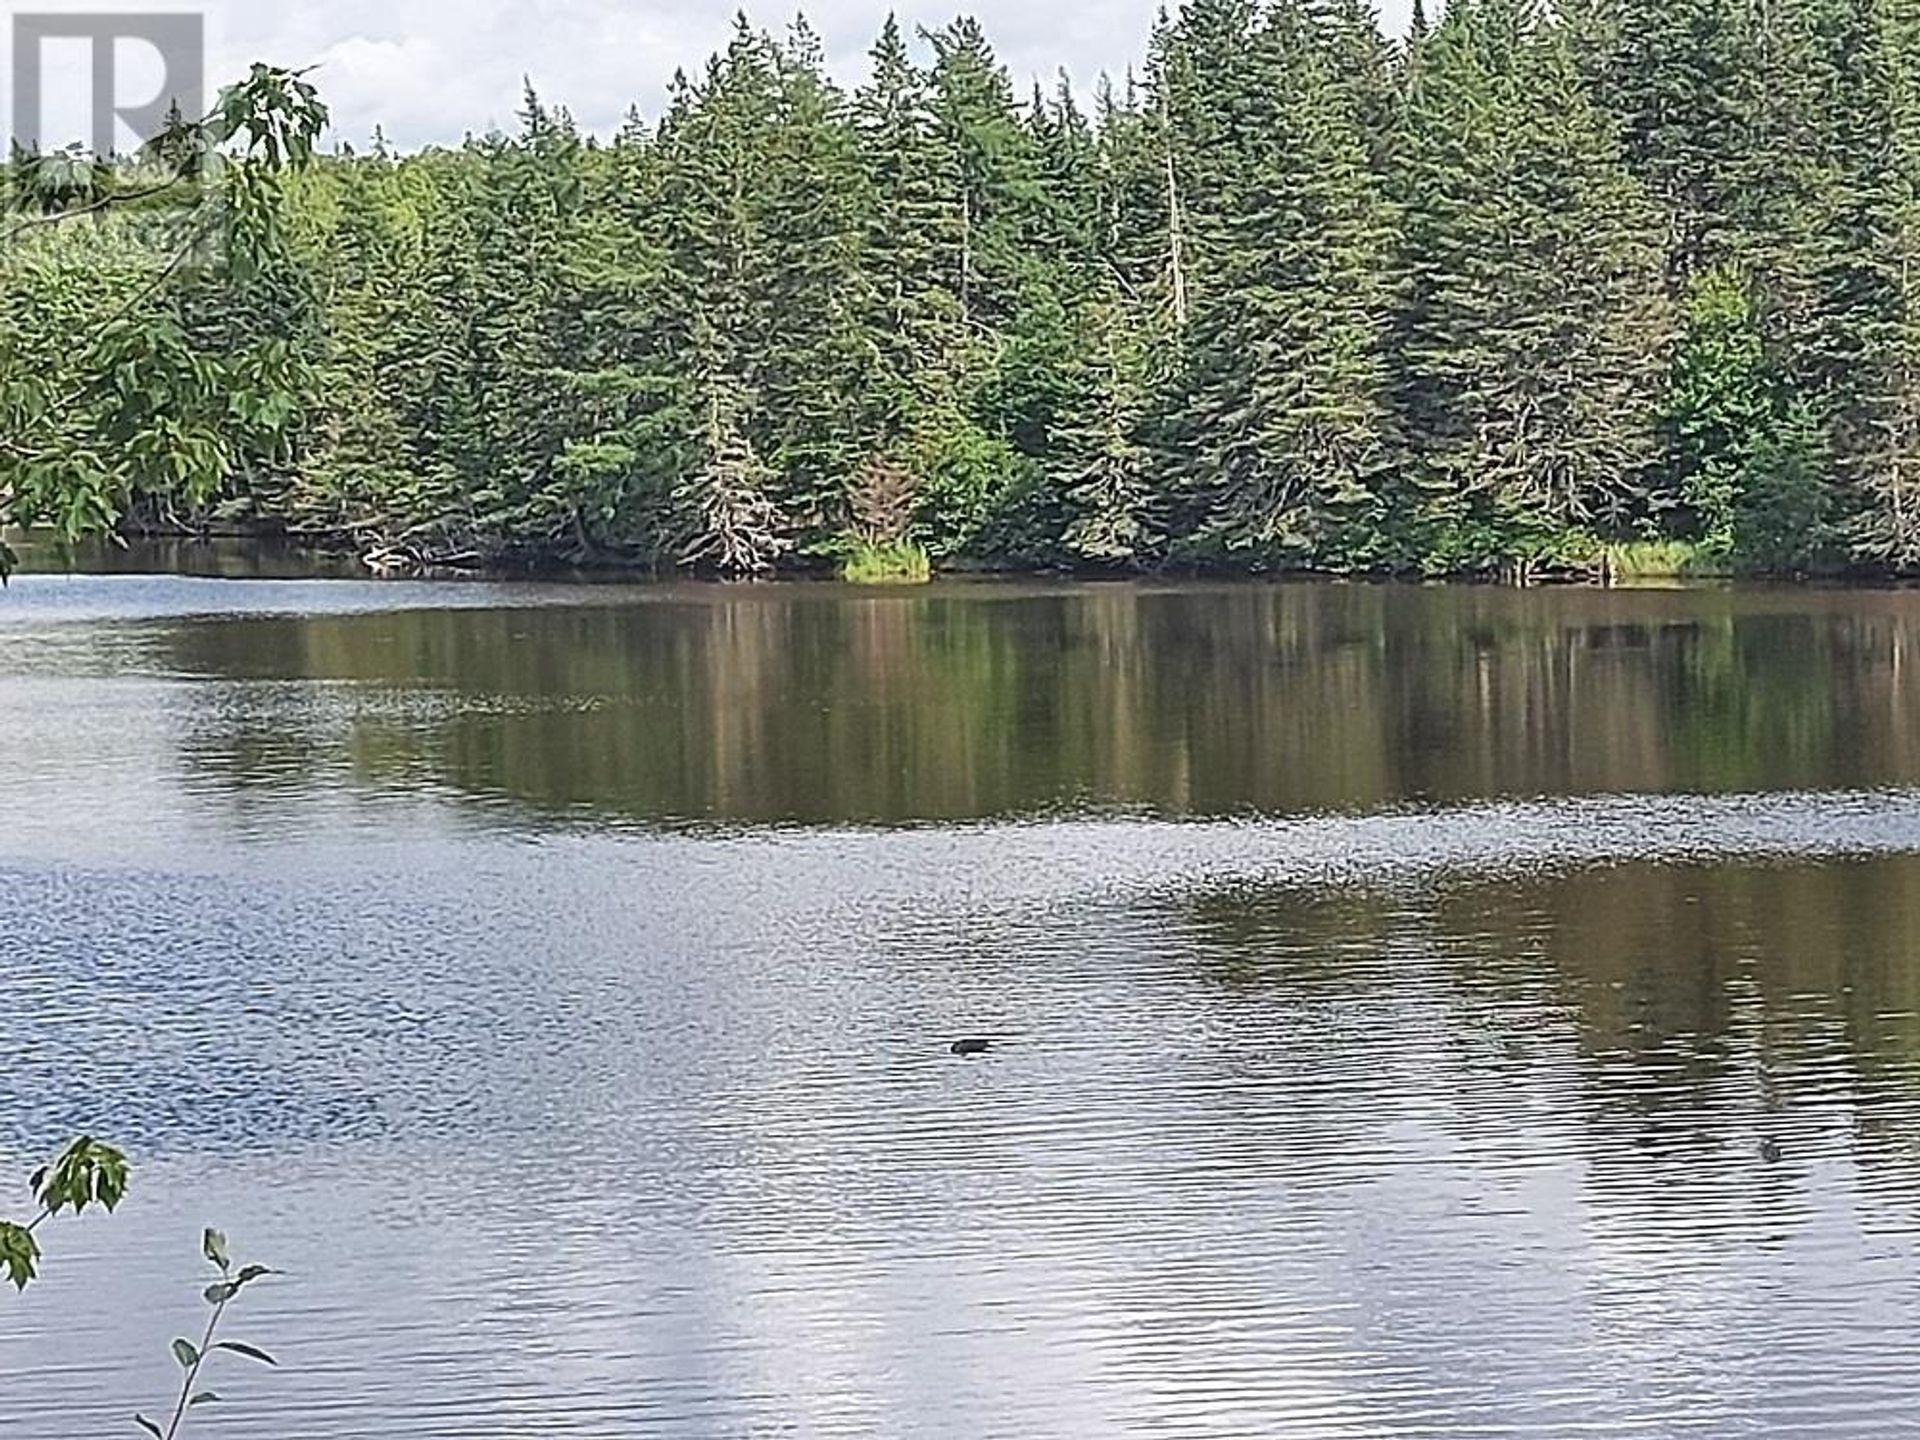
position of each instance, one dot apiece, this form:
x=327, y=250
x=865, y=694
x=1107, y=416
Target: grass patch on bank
x=1665, y=560
x=890, y=563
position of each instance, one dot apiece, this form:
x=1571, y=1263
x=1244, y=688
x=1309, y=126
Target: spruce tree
x=722, y=271
x=915, y=320
x=730, y=523
x=816, y=364
x=1277, y=435
x=1533, y=334
x=1099, y=463
x=1293, y=297
x=630, y=412
x=1882, y=433
x=1675, y=77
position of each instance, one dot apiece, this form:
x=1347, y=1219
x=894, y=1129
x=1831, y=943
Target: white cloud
x=433, y=70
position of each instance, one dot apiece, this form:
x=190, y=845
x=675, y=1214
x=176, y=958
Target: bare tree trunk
x=966, y=258
x=1176, y=238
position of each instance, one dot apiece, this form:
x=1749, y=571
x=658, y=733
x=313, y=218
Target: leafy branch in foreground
x=273, y=115
x=119, y=376
x=87, y=1173
x=193, y=1357
x=90, y=1173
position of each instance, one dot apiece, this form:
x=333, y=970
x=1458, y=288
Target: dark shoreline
x=278, y=557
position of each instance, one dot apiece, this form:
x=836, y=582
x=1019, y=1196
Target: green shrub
x=1781, y=520
x=895, y=562
x=965, y=473
x=1665, y=560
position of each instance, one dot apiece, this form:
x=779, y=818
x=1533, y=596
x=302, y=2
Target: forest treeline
x=1522, y=285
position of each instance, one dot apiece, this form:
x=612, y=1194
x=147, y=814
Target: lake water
x=1419, y=1012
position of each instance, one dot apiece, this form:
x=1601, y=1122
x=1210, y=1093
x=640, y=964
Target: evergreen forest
x=1528, y=290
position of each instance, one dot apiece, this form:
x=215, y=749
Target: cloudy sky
x=430, y=70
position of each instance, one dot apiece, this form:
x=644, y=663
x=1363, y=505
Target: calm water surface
x=1420, y=1012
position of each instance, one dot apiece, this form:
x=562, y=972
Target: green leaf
x=250, y=1351
x=186, y=1354
x=89, y=1173
x=19, y=1253
x=214, y=1245
x=147, y=1425
x=205, y=1397
x=220, y=1293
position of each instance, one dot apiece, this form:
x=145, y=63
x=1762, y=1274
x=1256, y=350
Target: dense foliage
x=149, y=337
x=1296, y=296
